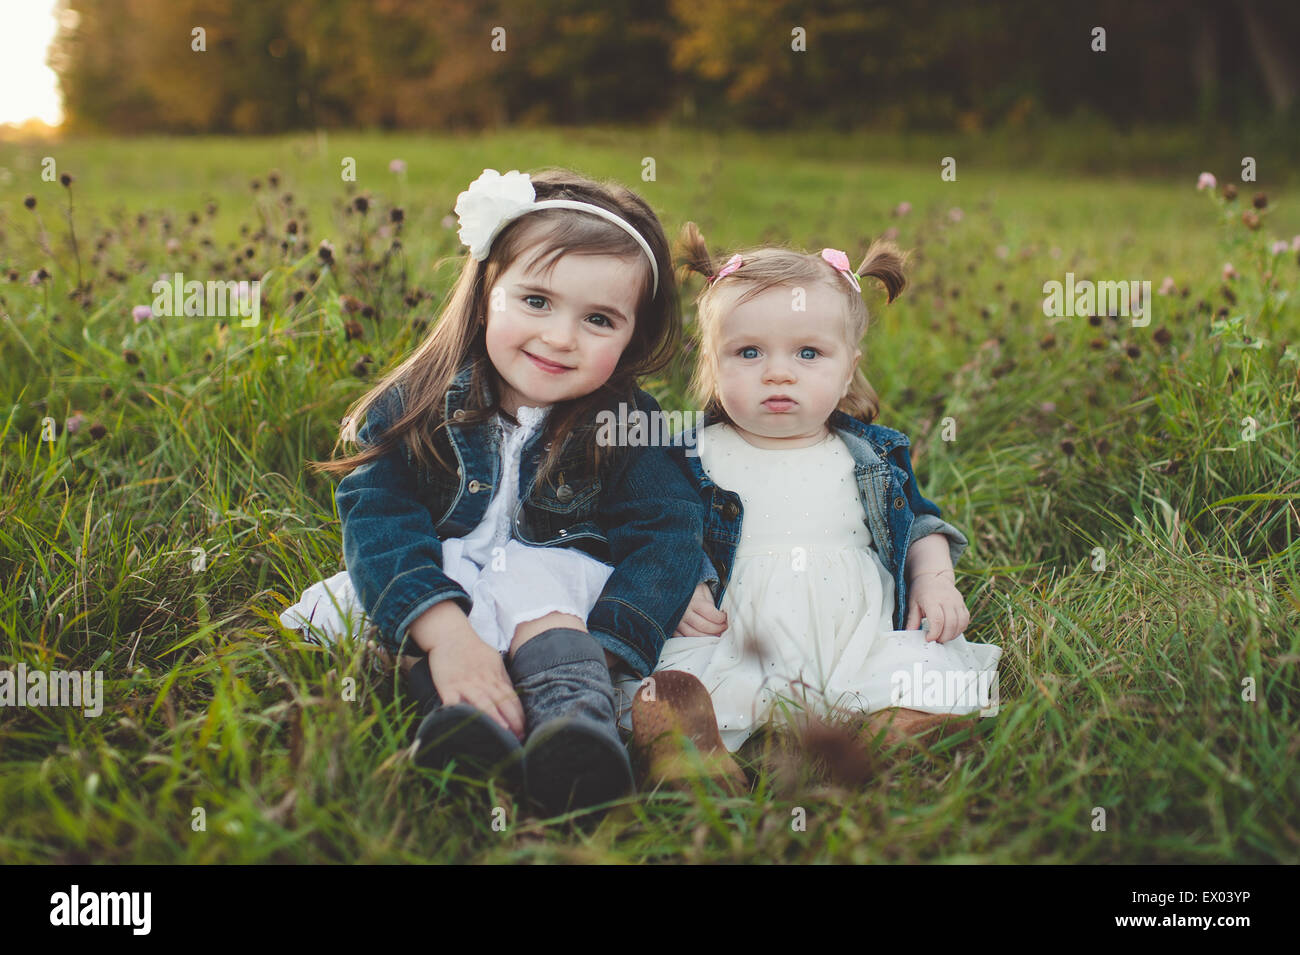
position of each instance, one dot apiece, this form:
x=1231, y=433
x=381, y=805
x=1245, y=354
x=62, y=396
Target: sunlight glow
x=28, y=87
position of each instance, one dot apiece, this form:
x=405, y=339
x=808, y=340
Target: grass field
x=159, y=533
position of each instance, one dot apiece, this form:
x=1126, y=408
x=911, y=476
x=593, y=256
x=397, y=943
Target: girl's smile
x=549, y=366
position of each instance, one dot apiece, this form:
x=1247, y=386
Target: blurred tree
x=129, y=65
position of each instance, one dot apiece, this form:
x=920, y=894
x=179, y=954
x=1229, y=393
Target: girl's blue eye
x=803, y=353
x=534, y=298
x=746, y=352
x=604, y=321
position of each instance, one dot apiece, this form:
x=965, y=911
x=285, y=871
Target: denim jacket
x=638, y=515
x=897, y=514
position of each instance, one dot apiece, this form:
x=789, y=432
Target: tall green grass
x=1162, y=689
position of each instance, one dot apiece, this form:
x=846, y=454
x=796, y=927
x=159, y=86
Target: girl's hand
x=701, y=619
x=935, y=596
x=467, y=670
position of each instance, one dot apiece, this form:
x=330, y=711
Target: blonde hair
x=459, y=334
x=771, y=267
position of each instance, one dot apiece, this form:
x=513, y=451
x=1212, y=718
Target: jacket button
x=474, y=486
x=730, y=511
x=564, y=494
x=898, y=503
x=458, y=414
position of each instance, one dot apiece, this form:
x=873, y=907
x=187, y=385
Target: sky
x=28, y=87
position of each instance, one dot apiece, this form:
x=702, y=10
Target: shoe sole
x=472, y=739
x=575, y=764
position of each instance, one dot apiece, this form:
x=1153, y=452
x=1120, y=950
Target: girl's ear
x=857, y=357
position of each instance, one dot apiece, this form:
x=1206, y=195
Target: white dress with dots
x=508, y=582
x=810, y=605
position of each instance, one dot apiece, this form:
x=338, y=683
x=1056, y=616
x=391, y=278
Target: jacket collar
x=458, y=393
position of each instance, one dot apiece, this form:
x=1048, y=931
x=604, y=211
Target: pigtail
x=885, y=262
x=693, y=252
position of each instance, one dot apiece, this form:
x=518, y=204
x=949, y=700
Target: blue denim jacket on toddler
x=639, y=515
x=897, y=514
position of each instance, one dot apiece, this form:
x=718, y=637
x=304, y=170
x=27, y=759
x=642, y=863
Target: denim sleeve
x=708, y=574
x=390, y=545
x=654, y=524
x=927, y=519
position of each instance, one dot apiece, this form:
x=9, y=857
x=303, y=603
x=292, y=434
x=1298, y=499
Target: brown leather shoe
x=678, y=703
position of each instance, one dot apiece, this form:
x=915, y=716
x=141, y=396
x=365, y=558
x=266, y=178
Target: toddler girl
x=484, y=529
x=822, y=555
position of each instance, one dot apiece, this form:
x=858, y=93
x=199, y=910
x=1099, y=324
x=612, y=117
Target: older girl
x=486, y=530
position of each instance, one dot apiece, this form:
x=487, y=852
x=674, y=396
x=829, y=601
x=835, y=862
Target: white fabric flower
x=490, y=201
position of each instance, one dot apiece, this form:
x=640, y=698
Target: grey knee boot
x=463, y=734
x=573, y=756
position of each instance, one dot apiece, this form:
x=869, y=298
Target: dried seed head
x=839, y=751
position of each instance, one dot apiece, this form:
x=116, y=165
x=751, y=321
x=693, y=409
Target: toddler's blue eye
x=804, y=353
x=749, y=351
x=530, y=299
x=604, y=321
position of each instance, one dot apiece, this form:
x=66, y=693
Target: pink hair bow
x=733, y=263
x=841, y=262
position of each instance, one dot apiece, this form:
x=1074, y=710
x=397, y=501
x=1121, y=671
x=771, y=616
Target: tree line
x=260, y=66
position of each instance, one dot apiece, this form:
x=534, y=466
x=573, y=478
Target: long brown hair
x=459, y=334
x=766, y=268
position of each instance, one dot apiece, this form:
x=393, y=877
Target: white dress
x=810, y=605
x=508, y=582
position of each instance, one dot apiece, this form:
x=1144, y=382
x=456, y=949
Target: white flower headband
x=493, y=200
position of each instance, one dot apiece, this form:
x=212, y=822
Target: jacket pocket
x=567, y=496
x=563, y=510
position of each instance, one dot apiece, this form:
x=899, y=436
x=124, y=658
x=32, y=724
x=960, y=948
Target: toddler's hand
x=701, y=619
x=467, y=670
x=936, y=597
